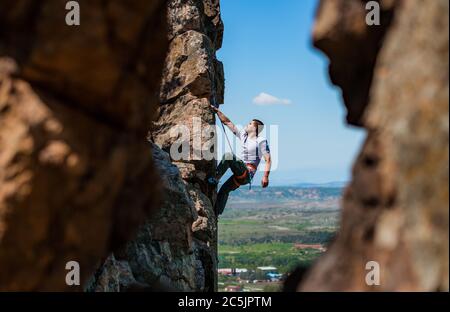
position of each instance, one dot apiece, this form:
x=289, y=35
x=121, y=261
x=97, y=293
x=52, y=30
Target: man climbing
x=253, y=146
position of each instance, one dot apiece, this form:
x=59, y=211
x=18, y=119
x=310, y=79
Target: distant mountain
x=339, y=184
x=286, y=193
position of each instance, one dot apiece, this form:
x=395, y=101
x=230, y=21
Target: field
x=280, y=226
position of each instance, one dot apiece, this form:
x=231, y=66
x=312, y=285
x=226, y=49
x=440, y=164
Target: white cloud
x=267, y=99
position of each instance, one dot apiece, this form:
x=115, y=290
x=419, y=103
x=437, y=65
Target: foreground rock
x=165, y=255
x=76, y=174
x=395, y=210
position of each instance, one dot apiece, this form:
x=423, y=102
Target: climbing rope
x=226, y=136
x=223, y=127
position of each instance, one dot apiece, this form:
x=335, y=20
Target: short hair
x=259, y=121
x=260, y=127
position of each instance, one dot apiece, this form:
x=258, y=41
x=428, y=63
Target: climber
x=253, y=146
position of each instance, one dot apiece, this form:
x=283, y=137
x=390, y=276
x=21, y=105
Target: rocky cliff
x=395, y=210
x=79, y=181
x=76, y=172
x=177, y=248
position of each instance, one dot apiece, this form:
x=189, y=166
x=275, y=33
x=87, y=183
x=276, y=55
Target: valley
x=278, y=227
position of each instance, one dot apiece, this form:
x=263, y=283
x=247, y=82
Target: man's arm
x=265, y=179
x=226, y=121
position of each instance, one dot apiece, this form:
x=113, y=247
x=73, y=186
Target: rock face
x=174, y=250
x=76, y=173
x=395, y=210
x=177, y=248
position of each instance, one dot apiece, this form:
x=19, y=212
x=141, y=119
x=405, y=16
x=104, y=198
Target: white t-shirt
x=253, y=148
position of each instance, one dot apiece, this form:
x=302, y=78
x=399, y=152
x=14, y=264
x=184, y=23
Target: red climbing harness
x=242, y=179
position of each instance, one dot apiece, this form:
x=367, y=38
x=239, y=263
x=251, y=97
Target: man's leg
x=222, y=196
x=230, y=161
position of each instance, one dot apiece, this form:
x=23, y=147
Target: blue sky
x=267, y=49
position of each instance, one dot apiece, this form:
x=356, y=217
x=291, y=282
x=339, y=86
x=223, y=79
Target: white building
x=267, y=268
